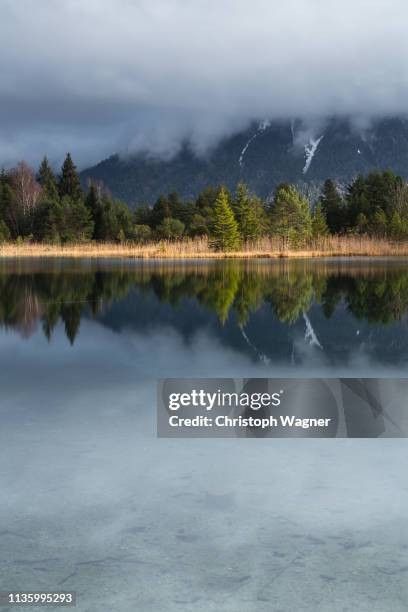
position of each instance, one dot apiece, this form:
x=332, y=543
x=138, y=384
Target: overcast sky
x=99, y=76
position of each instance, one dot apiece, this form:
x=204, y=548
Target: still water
x=92, y=501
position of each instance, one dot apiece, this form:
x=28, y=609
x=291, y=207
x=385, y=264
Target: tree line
x=44, y=207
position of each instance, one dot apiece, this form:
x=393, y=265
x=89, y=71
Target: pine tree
x=106, y=226
x=225, y=234
x=249, y=213
x=207, y=198
x=361, y=223
x=198, y=225
x=93, y=204
x=47, y=181
x=379, y=223
x=178, y=209
x=8, y=208
x=357, y=200
x=4, y=232
x=170, y=229
x=241, y=201
x=319, y=225
x=396, y=226
x=380, y=190
x=92, y=200
x=49, y=222
x=332, y=207
x=69, y=184
x=78, y=224
x=290, y=216
x=161, y=210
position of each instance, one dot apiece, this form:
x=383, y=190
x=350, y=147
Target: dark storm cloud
x=106, y=75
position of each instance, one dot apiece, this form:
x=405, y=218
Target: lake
x=93, y=501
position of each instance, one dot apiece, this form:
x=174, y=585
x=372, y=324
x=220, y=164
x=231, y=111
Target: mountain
x=262, y=156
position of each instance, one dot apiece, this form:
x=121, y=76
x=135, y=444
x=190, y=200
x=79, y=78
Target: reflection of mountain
x=349, y=304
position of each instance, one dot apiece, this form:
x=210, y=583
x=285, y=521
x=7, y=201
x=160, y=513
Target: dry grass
x=334, y=246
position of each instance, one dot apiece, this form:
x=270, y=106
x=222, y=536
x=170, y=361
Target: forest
x=43, y=207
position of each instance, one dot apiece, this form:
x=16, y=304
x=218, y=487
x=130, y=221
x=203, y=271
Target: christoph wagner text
x=263, y=423
x=208, y=401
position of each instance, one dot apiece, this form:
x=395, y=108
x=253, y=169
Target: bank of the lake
x=333, y=246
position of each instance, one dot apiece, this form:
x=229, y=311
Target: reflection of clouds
x=164, y=352
x=86, y=484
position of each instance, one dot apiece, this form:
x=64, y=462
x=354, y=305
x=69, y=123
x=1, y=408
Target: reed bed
x=333, y=246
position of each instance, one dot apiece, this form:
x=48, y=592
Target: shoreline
x=334, y=246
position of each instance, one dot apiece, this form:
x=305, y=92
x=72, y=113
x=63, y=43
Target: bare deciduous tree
x=27, y=196
x=400, y=198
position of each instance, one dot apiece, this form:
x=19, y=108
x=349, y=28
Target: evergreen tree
x=77, y=219
x=198, y=225
x=93, y=204
x=205, y=203
x=161, y=210
x=106, y=228
x=92, y=201
x=290, y=216
x=396, y=227
x=361, y=223
x=380, y=190
x=49, y=222
x=225, y=234
x=319, y=225
x=170, y=229
x=8, y=209
x=253, y=220
x=207, y=198
x=142, y=233
x=249, y=213
x=47, y=181
x=178, y=209
x=124, y=220
x=357, y=201
x=4, y=232
x=379, y=223
x=332, y=207
x=241, y=201
x=69, y=184
x=144, y=215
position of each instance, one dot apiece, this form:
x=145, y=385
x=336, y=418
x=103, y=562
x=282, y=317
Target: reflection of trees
x=220, y=291
x=291, y=294
x=20, y=312
x=27, y=298
x=378, y=300
x=65, y=295
x=249, y=297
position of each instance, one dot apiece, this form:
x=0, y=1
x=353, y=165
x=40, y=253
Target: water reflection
x=376, y=292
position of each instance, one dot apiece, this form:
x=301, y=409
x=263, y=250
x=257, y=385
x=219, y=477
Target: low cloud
x=102, y=76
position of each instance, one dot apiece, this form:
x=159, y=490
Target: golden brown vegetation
x=333, y=246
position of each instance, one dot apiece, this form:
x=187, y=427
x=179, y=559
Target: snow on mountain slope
x=261, y=128
x=310, y=150
x=262, y=156
x=310, y=334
